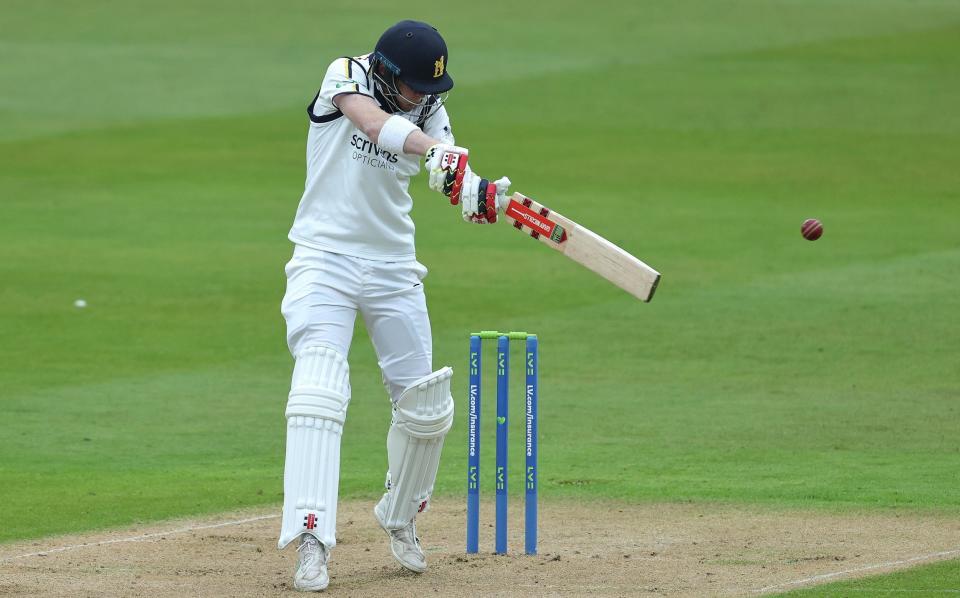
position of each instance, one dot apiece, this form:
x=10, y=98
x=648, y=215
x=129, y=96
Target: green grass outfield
x=151, y=160
x=940, y=579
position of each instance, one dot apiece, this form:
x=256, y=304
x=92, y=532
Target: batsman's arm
x=445, y=163
x=367, y=116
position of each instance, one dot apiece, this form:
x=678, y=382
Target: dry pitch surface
x=603, y=549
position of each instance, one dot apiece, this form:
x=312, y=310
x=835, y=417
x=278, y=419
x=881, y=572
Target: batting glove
x=482, y=199
x=447, y=165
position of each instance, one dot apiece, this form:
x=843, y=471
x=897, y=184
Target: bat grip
x=503, y=200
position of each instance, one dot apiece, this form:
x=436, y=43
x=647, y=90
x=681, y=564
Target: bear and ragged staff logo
x=438, y=68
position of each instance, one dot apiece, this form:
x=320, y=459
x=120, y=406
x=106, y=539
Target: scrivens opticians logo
x=369, y=153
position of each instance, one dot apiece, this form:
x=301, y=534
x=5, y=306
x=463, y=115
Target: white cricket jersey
x=355, y=201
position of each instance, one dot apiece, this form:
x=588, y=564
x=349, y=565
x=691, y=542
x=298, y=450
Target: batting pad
x=421, y=419
x=316, y=410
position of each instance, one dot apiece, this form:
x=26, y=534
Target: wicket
x=473, y=443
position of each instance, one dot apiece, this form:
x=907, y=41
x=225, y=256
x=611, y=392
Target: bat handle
x=503, y=200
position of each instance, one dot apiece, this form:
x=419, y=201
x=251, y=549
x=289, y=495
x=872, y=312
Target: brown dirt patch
x=606, y=549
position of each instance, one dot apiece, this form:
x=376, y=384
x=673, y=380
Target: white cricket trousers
x=326, y=290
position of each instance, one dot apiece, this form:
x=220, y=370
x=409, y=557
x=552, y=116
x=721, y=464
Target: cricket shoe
x=311, y=575
x=404, y=543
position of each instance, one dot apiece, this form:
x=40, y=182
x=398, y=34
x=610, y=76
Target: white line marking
x=916, y=559
x=139, y=538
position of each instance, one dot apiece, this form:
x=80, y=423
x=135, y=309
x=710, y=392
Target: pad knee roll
x=320, y=372
x=425, y=409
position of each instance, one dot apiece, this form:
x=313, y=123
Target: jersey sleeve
x=344, y=75
x=438, y=126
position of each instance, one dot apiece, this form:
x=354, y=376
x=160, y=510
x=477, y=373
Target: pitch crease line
x=139, y=538
x=824, y=576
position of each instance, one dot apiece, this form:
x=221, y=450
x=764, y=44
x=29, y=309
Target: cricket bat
x=582, y=246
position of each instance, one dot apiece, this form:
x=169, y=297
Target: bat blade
x=582, y=246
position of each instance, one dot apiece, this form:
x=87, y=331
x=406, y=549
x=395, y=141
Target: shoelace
x=408, y=532
x=312, y=548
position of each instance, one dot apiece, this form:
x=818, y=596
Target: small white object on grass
x=80, y=303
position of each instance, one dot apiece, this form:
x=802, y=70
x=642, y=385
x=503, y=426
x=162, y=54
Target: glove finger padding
x=482, y=199
x=473, y=187
x=453, y=186
x=456, y=189
x=437, y=179
x=490, y=203
x=447, y=165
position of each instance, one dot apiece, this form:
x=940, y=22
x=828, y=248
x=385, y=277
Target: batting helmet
x=415, y=53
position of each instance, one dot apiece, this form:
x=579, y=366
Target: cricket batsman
x=371, y=122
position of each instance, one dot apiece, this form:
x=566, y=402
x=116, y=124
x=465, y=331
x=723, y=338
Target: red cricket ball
x=811, y=229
